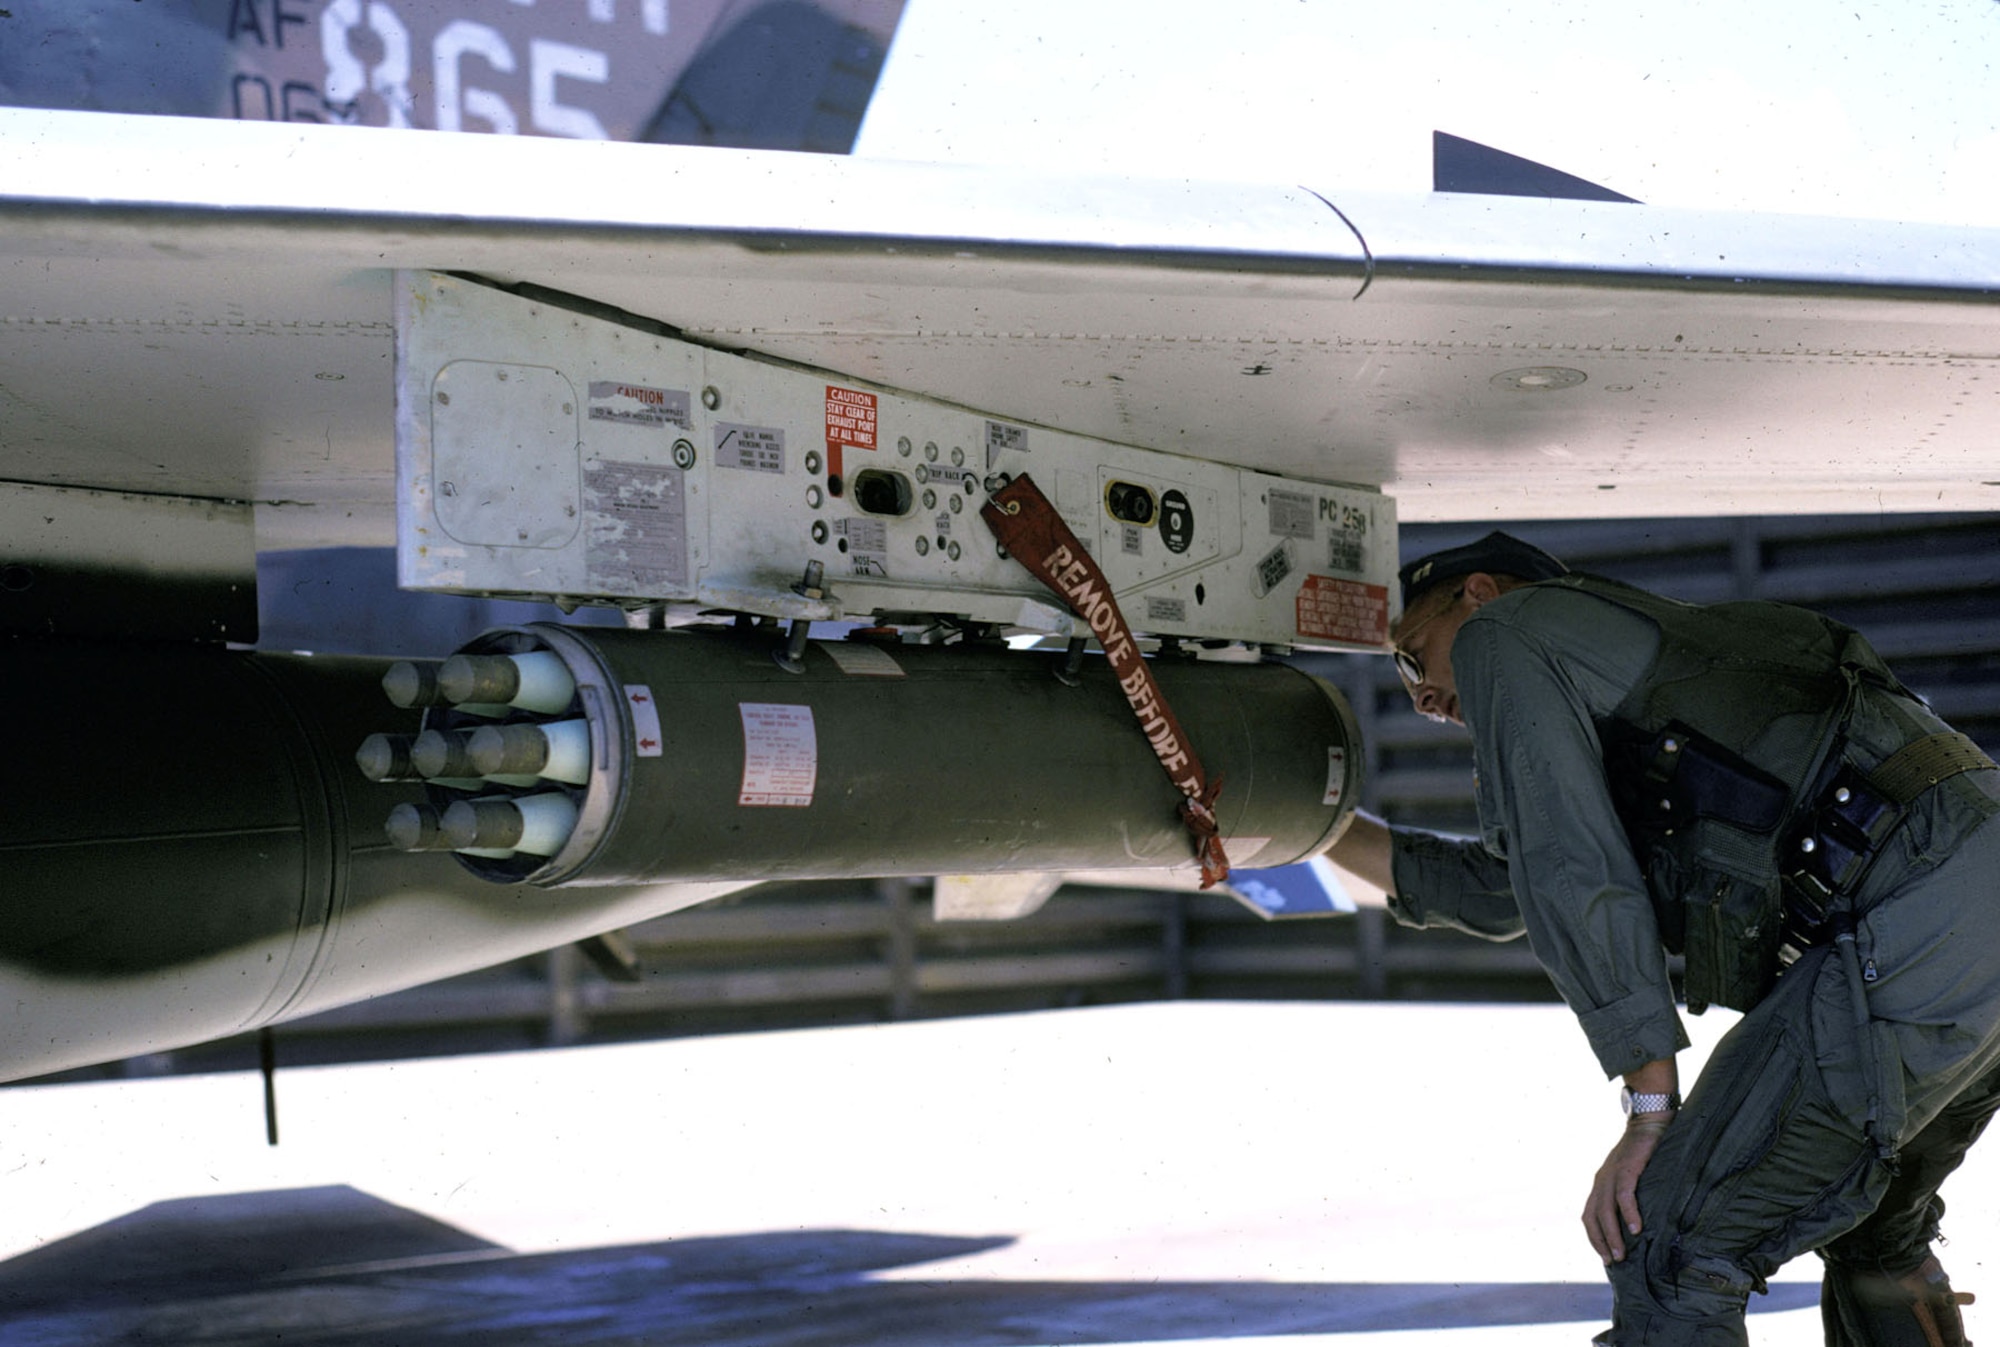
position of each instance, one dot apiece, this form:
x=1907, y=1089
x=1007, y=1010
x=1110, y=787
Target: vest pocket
x=1716, y=897
x=1731, y=938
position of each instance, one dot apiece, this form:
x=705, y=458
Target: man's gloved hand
x=1872, y=1309
x=1611, y=1216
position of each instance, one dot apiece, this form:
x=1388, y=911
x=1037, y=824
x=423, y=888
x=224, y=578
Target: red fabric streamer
x=1035, y=535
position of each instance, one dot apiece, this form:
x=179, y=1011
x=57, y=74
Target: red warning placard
x=850, y=424
x=1330, y=609
x=850, y=418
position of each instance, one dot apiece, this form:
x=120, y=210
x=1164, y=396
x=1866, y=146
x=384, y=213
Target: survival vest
x=1713, y=755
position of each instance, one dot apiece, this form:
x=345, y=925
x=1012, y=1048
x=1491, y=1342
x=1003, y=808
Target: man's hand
x=1611, y=1216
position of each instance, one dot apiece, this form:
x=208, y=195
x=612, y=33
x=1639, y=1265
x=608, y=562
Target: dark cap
x=1496, y=554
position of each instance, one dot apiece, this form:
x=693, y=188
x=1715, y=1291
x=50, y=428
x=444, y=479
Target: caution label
x=638, y=405
x=1331, y=609
x=780, y=755
x=850, y=418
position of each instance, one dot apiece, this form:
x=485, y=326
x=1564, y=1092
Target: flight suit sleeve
x=1453, y=882
x=1531, y=677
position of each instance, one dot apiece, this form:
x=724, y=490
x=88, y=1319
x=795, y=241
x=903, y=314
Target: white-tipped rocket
x=411, y=683
x=391, y=757
x=419, y=827
x=445, y=758
x=537, y=681
x=437, y=753
x=415, y=827
x=536, y=824
x=555, y=751
x=386, y=757
x=414, y=683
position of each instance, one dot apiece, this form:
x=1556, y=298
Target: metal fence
x=1926, y=590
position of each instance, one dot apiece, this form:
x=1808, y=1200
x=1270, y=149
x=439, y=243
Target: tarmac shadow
x=337, y=1266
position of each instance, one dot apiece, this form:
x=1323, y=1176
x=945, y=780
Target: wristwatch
x=1650, y=1103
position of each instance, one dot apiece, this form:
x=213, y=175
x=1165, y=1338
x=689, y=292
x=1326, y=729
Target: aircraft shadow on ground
x=335, y=1265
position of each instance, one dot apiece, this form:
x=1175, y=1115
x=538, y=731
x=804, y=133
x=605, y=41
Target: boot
x=1873, y=1309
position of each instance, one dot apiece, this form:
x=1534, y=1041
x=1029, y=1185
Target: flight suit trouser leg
x=1759, y=1166
x=1896, y=1239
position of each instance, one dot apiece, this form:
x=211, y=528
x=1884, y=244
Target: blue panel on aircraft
x=1308, y=889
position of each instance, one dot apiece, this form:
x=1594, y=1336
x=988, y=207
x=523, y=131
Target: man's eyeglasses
x=1407, y=664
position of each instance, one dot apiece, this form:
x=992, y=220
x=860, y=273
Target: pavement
x=1186, y=1173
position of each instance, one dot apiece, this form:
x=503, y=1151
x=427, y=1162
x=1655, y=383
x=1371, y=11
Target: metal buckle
x=1830, y=854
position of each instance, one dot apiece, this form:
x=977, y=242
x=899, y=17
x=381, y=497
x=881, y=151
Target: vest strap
x=1922, y=763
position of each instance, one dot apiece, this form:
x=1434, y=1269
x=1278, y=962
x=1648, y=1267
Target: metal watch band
x=1650, y=1103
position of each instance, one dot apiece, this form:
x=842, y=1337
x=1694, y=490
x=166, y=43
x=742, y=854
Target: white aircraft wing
x=211, y=333
x=202, y=309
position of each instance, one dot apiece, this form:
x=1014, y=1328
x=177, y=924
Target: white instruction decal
x=1336, y=773
x=1274, y=566
x=858, y=659
x=1291, y=512
x=1002, y=438
x=645, y=719
x=780, y=755
x=1346, y=536
x=757, y=448
x=865, y=541
x=637, y=516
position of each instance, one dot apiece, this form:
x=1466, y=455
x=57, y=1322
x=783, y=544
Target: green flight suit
x=1801, y=1133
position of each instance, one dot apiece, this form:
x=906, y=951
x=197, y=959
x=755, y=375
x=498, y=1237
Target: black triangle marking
x=1461, y=165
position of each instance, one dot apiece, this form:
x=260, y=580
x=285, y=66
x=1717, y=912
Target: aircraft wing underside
x=203, y=309
x=222, y=337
